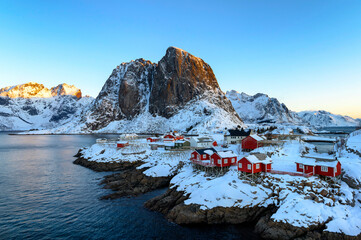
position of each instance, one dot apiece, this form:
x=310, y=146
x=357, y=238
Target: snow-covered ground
x=354, y=142
x=301, y=202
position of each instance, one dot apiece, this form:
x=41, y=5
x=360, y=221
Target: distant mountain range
x=180, y=92
x=32, y=106
x=327, y=119
x=260, y=108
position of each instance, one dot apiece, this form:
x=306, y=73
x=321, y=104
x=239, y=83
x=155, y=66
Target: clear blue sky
x=306, y=53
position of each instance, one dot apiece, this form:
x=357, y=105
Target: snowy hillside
x=260, y=108
x=326, y=119
x=32, y=106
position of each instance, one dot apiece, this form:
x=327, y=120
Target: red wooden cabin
x=202, y=154
x=224, y=159
x=321, y=166
x=152, y=139
x=255, y=163
x=329, y=169
x=252, y=142
x=122, y=144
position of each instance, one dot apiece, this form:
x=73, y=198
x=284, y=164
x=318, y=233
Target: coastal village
x=250, y=153
x=244, y=169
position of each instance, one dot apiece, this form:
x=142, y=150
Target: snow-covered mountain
x=327, y=119
x=180, y=92
x=260, y=108
x=32, y=106
x=36, y=90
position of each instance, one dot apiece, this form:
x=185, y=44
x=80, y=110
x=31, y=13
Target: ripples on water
x=44, y=195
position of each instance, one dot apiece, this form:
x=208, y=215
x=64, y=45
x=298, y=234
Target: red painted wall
x=250, y=143
x=329, y=172
x=338, y=169
x=245, y=163
x=266, y=167
x=215, y=157
x=298, y=168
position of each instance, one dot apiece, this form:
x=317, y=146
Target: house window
x=240, y=165
x=193, y=155
x=301, y=165
x=257, y=166
x=219, y=161
x=324, y=169
x=232, y=160
x=249, y=167
x=225, y=161
x=204, y=155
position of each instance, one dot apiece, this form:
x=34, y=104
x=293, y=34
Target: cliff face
x=179, y=78
x=159, y=90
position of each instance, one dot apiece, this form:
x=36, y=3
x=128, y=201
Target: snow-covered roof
x=206, y=151
x=327, y=163
x=122, y=142
x=259, y=158
x=209, y=152
x=307, y=161
x=203, y=139
x=238, y=133
x=226, y=154
x=318, y=162
x=256, y=137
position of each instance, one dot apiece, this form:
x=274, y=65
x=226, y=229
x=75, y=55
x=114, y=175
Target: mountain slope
x=32, y=106
x=179, y=93
x=326, y=119
x=260, y=108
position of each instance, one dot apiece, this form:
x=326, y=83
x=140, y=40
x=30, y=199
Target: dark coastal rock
x=132, y=182
x=129, y=182
x=269, y=229
x=171, y=204
x=106, y=167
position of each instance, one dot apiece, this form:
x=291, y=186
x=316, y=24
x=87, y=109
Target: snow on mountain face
x=35, y=90
x=260, y=108
x=326, y=119
x=179, y=93
x=32, y=106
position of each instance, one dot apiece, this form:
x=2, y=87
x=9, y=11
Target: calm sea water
x=43, y=195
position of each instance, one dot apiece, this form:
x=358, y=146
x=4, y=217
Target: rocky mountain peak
x=261, y=108
x=162, y=89
x=65, y=89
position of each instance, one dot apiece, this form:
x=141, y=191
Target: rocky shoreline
x=171, y=205
x=131, y=181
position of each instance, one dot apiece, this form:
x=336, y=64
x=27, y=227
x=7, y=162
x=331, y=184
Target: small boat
x=101, y=140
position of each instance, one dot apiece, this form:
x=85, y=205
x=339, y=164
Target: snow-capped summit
x=33, y=106
x=65, y=89
x=260, y=108
x=180, y=92
x=36, y=90
x=326, y=119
